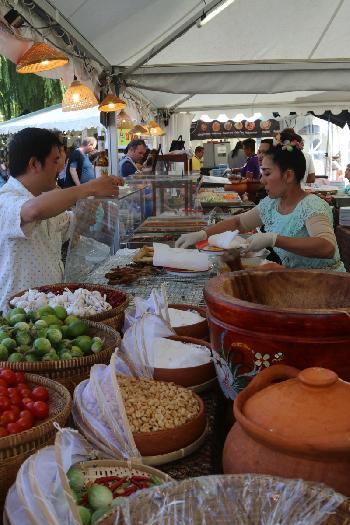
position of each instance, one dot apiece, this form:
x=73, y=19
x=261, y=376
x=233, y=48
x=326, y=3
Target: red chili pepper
x=84, y=500
x=140, y=478
x=106, y=479
x=117, y=484
x=129, y=491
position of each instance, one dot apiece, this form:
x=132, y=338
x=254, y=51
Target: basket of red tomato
x=29, y=407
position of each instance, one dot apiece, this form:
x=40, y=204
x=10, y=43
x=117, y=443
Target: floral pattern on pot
x=232, y=373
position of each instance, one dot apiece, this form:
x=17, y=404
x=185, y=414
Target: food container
x=116, y=298
x=239, y=186
x=262, y=317
x=71, y=372
x=292, y=424
x=199, y=330
x=173, y=439
x=234, y=500
x=193, y=376
x=14, y=449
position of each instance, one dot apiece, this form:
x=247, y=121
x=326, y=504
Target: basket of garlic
x=93, y=302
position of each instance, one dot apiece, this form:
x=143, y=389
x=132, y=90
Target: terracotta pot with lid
x=292, y=424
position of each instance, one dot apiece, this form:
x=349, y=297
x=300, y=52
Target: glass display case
x=102, y=227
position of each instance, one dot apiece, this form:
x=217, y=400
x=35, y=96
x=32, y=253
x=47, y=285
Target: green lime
x=51, y=319
x=76, y=351
x=15, y=311
x=50, y=356
x=60, y=312
x=45, y=310
x=42, y=345
x=84, y=342
x=17, y=318
x=4, y=353
x=31, y=358
x=24, y=349
x=9, y=343
x=53, y=335
x=66, y=355
x=23, y=338
x=64, y=330
x=40, y=333
x=77, y=328
x=97, y=340
x=22, y=326
x=96, y=347
x=3, y=335
x=40, y=323
x=70, y=318
x=16, y=357
x=85, y=515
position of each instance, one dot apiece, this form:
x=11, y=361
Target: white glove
x=258, y=241
x=227, y=172
x=190, y=239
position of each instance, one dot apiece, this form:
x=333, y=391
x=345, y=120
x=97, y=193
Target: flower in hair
x=277, y=139
x=290, y=145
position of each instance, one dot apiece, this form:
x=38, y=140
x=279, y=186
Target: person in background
x=264, y=147
x=309, y=176
x=197, y=159
x=299, y=226
x=79, y=167
x=236, y=158
x=61, y=174
x=131, y=163
x=34, y=221
x=347, y=175
x=251, y=169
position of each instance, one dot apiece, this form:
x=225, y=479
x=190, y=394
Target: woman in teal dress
x=298, y=226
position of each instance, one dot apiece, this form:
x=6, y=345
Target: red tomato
x=13, y=428
x=8, y=376
x=24, y=423
x=9, y=416
x=26, y=414
x=3, y=391
x=3, y=432
x=40, y=393
x=5, y=403
x=20, y=386
x=25, y=392
x=26, y=401
x=3, y=383
x=16, y=400
x=29, y=406
x=12, y=390
x=40, y=410
x=19, y=377
x=16, y=410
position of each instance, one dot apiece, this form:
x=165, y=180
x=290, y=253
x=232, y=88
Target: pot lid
x=312, y=405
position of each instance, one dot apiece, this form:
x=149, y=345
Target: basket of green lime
x=52, y=343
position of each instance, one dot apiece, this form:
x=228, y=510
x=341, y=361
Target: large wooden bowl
x=259, y=317
x=199, y=330
x=187, y=377
x=165, y=441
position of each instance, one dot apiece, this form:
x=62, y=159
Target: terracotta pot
x=296, y=428
x=192, y=376
x=165, y=441
x=199, y=330
x=239, y=187
x=262, y=317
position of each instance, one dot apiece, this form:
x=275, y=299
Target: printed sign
x=201, y=130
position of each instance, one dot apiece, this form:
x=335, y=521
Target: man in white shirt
x=33, y=218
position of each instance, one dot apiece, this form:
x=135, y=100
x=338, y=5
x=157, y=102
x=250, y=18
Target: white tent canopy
x=254, y=55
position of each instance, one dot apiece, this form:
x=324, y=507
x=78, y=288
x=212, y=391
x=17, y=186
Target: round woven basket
x=14, y=449
x=116, y=298
x=224, y=500
x=71, y=372
x=108, y=467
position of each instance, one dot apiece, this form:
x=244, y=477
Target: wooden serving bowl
x=198, y=330
x=187, y=377
x=173, y=439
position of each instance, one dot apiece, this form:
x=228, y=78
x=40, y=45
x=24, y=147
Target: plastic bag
x=156, y=304
x=232, y=500
x=38, y=494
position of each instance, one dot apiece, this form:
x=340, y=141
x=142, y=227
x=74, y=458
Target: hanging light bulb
x=111, y=103
x=78, y=96
x=41, y=57
x=124, y=120
x=155, y=129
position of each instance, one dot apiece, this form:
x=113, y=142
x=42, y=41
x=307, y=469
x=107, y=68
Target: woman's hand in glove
x=259, y=241
x=190, y=239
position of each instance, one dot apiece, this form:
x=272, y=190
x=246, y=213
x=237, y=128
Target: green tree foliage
x=25, y=93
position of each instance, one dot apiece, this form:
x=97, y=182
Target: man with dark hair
x=33, y=218
x=134, y=154
x=197, y=159
x=79, y=167
x=251, y=169
x=264, y=147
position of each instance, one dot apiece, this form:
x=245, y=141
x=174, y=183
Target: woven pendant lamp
x=78, y=96
x=111, y=103
x=124, y=120
x=41, y=57
x=154, y=129
x=139, y=130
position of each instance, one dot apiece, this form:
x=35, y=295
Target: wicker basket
x=71, y=372
x=16, y=448
x=190, y=500
x=107, y=467
x=116, y=298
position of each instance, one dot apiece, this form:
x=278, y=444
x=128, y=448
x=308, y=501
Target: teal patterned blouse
x=293, y=225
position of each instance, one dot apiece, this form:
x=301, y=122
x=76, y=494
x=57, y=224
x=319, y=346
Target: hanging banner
x=201, y=130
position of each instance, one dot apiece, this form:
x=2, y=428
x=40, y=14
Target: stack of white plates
x=344, y=216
